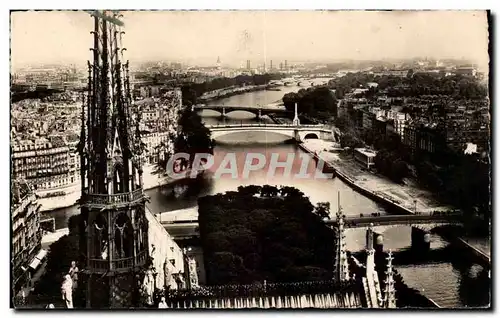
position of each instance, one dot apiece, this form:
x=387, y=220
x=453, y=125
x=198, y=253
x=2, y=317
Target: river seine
x=442, y=282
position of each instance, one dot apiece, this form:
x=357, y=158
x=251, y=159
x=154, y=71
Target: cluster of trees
x=265, y=233
x=456, y=86
x=345, y=84
x=464, y=182
x=351, y=137
x=391, y=165
x=317, y=102
x=393, y=156
x=194, y=136
x=21, y=94
x=413, y=85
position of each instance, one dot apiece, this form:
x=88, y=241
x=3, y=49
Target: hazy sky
x=201, y=36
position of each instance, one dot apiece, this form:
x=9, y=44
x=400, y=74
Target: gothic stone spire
x=114, y=235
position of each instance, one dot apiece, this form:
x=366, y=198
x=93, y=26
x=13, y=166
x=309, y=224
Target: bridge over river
x=257, y=111
x=188, y=227
x=297, y=132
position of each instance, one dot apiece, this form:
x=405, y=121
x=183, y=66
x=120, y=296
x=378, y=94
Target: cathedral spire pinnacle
x=390, y=291
x=296, y=120
x=341, y=268
x=114, y=239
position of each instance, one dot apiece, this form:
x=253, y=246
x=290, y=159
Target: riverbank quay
x=223, y=93
x=407, y=199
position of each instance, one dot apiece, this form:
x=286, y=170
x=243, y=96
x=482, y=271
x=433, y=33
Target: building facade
x=43, y=162
x=26, y=234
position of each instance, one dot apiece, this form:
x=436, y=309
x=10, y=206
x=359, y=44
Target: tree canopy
x=318, y=102
x=264, y=233
x=413, y=85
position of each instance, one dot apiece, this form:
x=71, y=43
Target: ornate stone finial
x=390, y=291
x=341, y=268
x=193, y=274
x=296, y=120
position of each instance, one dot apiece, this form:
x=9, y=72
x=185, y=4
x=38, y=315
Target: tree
x=316, y=102
x=399, y=170
x=322, y=210
x=250, y=190
x=247, y=238
x=193, y=138
x=269, y=191
x=350, y=140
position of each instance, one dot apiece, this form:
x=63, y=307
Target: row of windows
x=40, y=158
x=41, y=164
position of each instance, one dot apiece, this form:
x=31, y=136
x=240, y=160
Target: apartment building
x=160, y=124
x=43, y=161
x=26, y=234
x=424, y=137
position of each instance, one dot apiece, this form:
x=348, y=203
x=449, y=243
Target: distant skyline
x=199, y=37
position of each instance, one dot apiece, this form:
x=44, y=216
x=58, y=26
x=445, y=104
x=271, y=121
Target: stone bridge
x=297, y=132
x=386, y=221
x=257, y=111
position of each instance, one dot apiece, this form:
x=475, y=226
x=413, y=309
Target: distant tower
x=390, y=291
x=248, y=65
x=286, y=65
x=114, y=228
x=296, y=120
x=341, y=269
x=281, y=66
x=271, y=65
x=218, y=63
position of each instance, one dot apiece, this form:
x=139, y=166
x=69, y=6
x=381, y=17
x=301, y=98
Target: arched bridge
x=385, y=220
x=189, y=224
x=257, y=111
x=297, y=132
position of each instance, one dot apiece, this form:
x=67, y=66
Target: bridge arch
x=246, y=111
x=216, y=111
x=311, y=135
x=227, y=111
x=299, y=133
x=217, y=134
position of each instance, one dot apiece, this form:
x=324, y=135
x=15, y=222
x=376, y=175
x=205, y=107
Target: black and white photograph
x=191, y=160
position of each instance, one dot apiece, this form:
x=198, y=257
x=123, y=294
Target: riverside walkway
x=410, y=197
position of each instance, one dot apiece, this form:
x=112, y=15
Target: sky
x=201, y=36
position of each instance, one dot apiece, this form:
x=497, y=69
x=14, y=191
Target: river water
x=443, y=282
